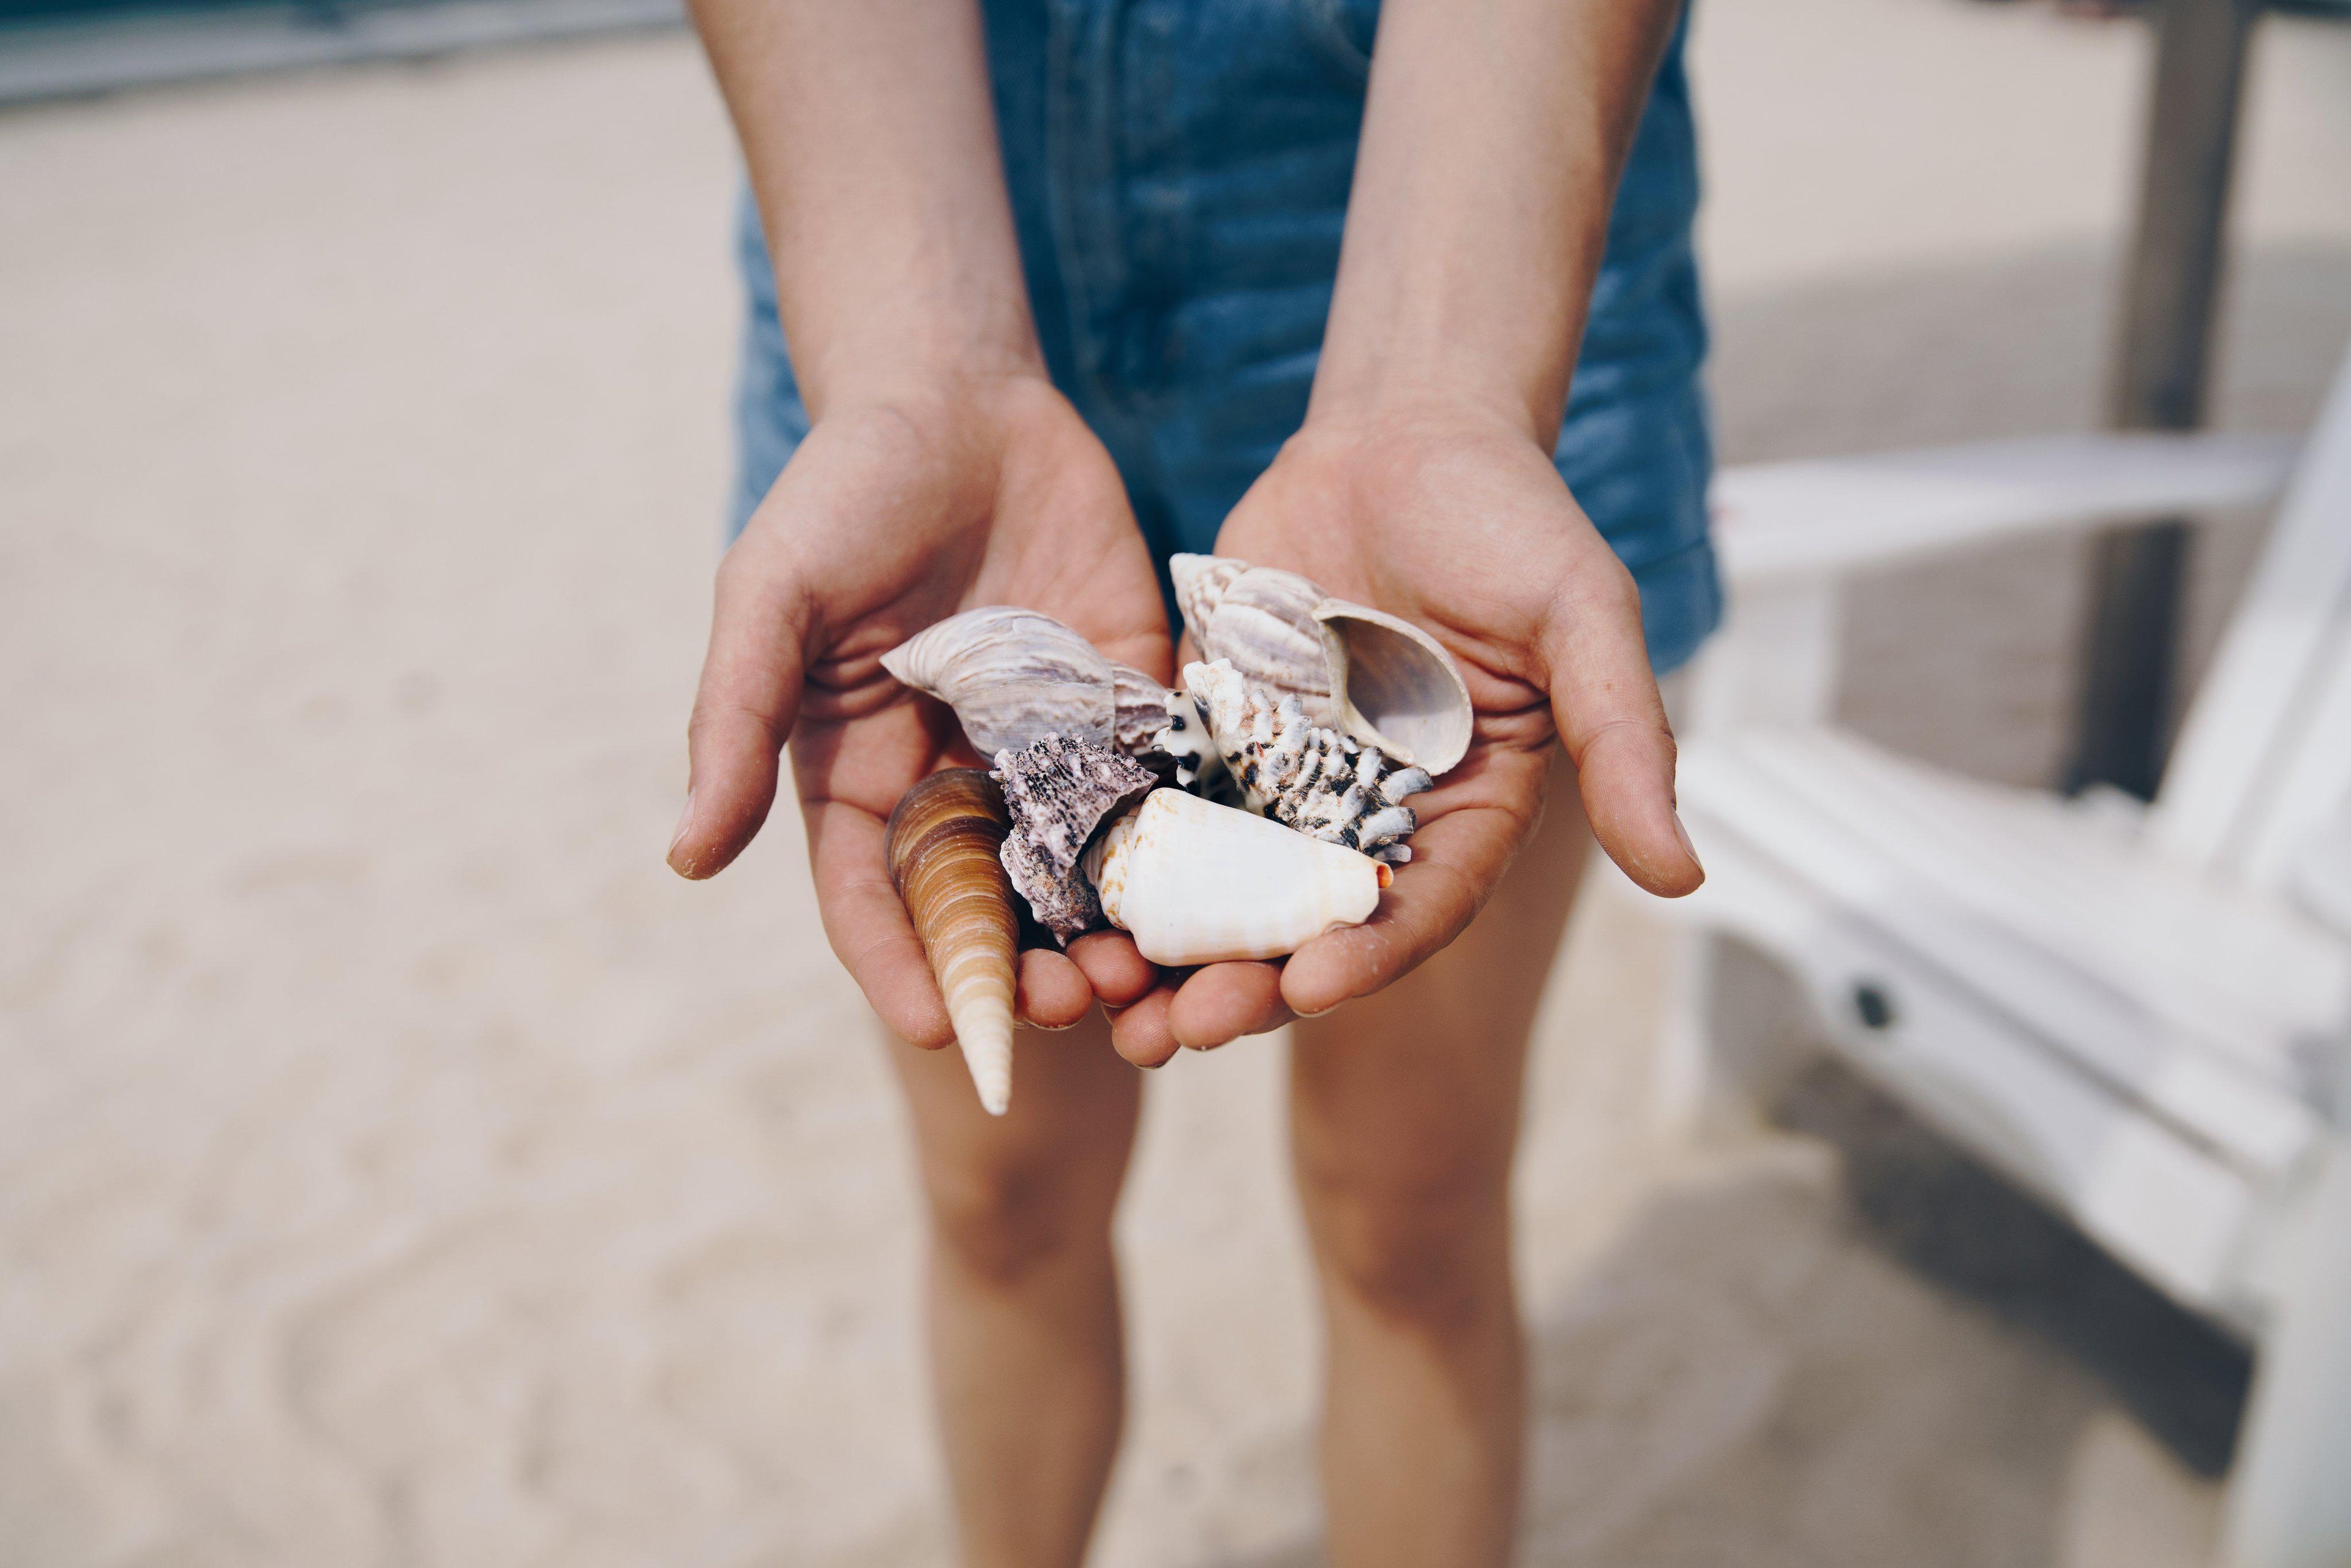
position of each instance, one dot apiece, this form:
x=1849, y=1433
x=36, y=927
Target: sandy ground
x=397, y=1166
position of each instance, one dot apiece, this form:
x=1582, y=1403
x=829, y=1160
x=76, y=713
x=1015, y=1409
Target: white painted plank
x=2241, y=1103
x=2234, y=966
x=2210, y=807
x=2163, y=1205
x=2313, y=789
x=1831, y=517
x=1774, y=661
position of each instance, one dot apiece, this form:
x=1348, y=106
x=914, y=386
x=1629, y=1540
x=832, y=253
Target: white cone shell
x=1197, y=882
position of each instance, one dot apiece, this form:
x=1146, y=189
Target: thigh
x=1047, y=1173
x=1411, y=1097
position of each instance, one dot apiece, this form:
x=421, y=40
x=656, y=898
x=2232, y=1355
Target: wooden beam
x=2160, y=374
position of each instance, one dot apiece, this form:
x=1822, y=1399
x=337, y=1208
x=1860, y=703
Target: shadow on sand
x=1848, y=1349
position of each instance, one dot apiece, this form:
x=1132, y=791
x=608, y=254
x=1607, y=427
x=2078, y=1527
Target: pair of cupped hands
x=896, y=513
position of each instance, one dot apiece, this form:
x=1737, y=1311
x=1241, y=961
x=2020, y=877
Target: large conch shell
x=1058, y=793
x=942, y=844
x=1373, y=675
x=1197, y=882
x=1015, y=676
x=1303, y=776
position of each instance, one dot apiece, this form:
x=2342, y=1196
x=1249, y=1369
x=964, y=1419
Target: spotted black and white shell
x=1325, y=785
x=1370, y=674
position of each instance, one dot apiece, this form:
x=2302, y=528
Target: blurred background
x=398, y=1165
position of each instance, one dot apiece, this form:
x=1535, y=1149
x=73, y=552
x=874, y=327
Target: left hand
x=1458, y=521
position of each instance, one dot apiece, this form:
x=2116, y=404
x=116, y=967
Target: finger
x=1119, y=974
x=868, y=927
x=1605, y=701
x=1052, y=992
x=1456, y=860
x=1140, y=1033
x=1226, y=1001
x=742, y=709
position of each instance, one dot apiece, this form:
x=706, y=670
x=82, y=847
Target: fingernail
x=1689, y=848
x=1318, y=1012
x=684, y=821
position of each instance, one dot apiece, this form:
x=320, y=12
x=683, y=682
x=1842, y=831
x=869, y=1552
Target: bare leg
x=1023, y=1292
x=1405, y=1118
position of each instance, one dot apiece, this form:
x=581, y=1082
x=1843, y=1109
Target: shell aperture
x=1373, y=675
x=942, y=844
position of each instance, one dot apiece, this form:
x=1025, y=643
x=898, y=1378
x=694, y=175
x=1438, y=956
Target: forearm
x=871, y=139
x=1492, y=141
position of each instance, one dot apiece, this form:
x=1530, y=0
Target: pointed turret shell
x=1013, y=677
x=1197, y=882
x=942, y=845
x=1373, y=675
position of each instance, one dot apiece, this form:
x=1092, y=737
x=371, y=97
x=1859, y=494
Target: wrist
x=938, y=367
x=1421, y=416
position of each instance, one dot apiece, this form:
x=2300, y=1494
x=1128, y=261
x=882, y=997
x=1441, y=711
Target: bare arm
x=871, y=146
x=1491, y=147
x=1422, y=481
x=942, y=469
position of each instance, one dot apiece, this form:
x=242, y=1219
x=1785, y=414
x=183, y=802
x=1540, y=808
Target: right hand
x=894, y=513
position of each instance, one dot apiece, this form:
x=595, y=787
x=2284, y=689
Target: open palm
x=887, y=520
x=1465, y=528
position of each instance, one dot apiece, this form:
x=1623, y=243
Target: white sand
x=398, y=1166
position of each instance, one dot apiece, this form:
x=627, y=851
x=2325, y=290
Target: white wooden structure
x=2142, y=1015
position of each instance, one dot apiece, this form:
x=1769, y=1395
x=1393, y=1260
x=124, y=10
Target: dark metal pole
x=2158, y=383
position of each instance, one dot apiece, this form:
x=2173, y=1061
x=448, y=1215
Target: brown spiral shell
x=943, y=846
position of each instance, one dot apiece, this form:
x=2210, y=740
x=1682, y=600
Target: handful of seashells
x=1258, y=807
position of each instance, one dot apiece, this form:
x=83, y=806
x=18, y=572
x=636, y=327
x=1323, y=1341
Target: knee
x=1433, y=1254
x=1003, y=1224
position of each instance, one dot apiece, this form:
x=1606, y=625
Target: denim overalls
x=1179, y=173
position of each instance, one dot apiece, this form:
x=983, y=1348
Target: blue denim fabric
x=1179, y=173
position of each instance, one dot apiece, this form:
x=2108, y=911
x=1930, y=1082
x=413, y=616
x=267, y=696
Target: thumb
x=743, y=708
x=1605, y=701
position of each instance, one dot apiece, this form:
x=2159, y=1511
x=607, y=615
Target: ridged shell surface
x=1262, y=621
x=1058, y=793
x=1362, y=671
x=1140, y=727
x=1315, y=780
x=942, y=845
x=1197, y=882
x=1013, y=677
